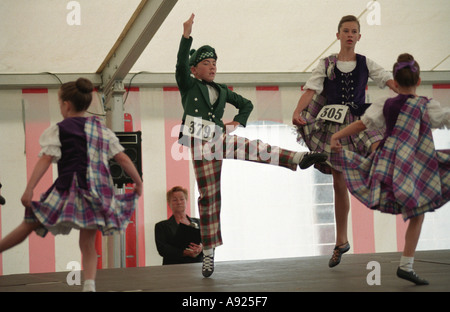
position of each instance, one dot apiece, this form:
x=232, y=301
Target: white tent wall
x=255, y=41
x=37, y=36
x=249, y=36
x=288, y=35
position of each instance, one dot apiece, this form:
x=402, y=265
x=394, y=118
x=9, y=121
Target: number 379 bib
x=198, y=128
x=333, y=112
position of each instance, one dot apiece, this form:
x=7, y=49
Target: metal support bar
x=115, y=108
x=146, y=20
x=137, y=34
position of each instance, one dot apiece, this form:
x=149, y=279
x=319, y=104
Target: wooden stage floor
x=308, y=274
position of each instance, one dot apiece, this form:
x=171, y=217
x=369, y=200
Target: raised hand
x=187, y=26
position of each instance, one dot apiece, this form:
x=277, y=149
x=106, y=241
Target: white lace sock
x=208, y=252
x=298, y=157
x=89, y=286
x=406, y=263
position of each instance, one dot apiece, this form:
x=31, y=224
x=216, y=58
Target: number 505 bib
x=198, y=128
x=333, y=112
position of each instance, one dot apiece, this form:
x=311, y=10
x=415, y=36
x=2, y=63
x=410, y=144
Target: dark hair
x=79, y=93
x=348, y=18
x=406, y=70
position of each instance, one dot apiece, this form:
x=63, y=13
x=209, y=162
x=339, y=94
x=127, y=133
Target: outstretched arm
x=39, y=170
x=244, y=107
x=392, y=85
x=351, y=129
x=304, y=101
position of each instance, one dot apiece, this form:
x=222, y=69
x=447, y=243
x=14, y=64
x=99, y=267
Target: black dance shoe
x=337, y=254
x=411, y=276
x=311, y=158
x=208, y=265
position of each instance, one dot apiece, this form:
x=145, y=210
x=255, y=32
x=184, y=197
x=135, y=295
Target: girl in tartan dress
x=82, y=197
x=405, y=175
x=337, y=88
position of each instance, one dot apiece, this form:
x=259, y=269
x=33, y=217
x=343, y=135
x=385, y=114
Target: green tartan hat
x=202, y=53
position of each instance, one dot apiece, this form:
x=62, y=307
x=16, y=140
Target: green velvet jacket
x=195, y=96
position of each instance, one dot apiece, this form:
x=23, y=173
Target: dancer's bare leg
x=89, y=258
x=341, y=210
x=18, y=235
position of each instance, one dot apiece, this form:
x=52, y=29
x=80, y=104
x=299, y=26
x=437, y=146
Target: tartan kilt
x=404, y=176
x=97, y=207
x=316, y=135
x=61, y=211
x=207, y=160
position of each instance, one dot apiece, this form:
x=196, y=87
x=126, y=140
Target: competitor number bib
x=333, y=112
x=198, y=128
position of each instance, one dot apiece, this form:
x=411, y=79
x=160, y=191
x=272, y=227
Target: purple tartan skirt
x=316, y=135
x=381, y=189
x=61, y=211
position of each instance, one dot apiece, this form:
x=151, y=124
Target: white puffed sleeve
x=114, y=144
x=377, y=73
x=439, y=115
x=315, y=82
x=50, y=143
x=373, y=117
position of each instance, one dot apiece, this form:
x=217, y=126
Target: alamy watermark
x=374, y=13
x=224, y=146
x=74, y=16
x=374, y=276
x=74, y=276
x=373, y=17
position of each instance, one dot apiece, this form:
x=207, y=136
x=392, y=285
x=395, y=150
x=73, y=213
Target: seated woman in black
x=165, y=231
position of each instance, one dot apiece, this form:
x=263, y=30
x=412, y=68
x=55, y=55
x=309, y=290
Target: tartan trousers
x=207, y=160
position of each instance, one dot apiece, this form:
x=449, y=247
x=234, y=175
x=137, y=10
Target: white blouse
x=376, y=73
x=50, y=144
x=373, y=117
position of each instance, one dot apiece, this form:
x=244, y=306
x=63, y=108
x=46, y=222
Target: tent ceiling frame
x=139, y=31
x=143, y=25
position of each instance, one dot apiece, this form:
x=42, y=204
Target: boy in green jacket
x=205, y=133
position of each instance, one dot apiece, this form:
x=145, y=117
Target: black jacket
x=164, y=238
